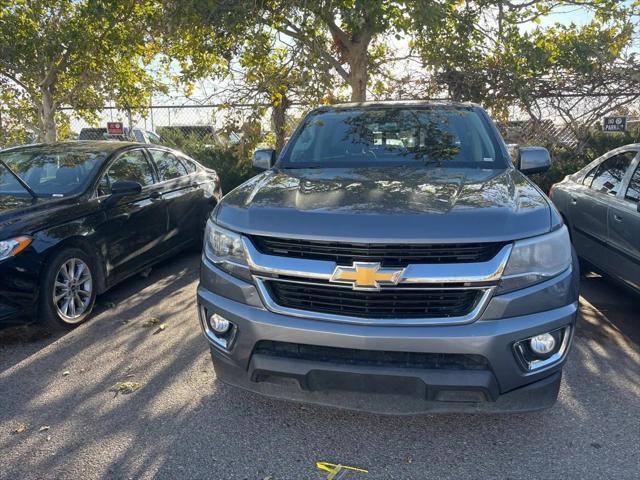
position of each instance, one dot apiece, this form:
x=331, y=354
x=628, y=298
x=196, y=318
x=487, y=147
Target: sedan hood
x=398, y=204
x=20, y=215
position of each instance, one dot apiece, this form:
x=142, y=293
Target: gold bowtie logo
x=367, y=275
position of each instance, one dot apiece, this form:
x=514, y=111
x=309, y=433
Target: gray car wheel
x=68, y=289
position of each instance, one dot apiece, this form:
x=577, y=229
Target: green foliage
x=79, y=53
x=500, y=63
x=232, y=169
x=231, y=162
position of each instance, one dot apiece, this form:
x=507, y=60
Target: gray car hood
x=399, y=204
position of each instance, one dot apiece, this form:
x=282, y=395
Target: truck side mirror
x=534, y=160
x=263, y=159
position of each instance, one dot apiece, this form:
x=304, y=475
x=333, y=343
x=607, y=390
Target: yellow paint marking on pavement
x=336, y=471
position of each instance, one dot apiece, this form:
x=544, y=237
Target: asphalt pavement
x=65, y=411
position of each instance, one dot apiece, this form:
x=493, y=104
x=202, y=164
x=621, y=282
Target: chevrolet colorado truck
x=392, y=258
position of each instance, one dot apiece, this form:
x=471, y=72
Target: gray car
x=392, y=259
x=601, y=206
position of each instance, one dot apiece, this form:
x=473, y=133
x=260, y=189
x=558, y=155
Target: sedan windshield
x=49, y=170
x=443, y=135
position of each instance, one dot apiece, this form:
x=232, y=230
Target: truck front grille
x=388, y=303
x=377, y=358
x=391, y=255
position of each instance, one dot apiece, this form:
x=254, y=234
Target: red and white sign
x=115, y=128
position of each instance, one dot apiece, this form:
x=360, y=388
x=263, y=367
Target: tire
x=67, y=289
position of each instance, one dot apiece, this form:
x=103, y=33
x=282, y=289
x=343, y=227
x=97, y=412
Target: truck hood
x=398, y=204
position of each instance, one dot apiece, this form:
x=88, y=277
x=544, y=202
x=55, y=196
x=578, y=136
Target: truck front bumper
x=390, y=370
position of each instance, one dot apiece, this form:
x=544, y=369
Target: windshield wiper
x=20, y=181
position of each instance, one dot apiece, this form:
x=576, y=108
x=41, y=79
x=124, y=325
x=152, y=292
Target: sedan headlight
x=537, y=259
x=13, y=246
x=224, y=248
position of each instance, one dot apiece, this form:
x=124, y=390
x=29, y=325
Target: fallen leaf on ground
x=44, y=428
x=125, y=387
x=160, y=328
x=151, y=322
x=22, y=427
x=65, y=373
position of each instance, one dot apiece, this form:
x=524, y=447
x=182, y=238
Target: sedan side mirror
x=264, y=159
x=124, y=188
x=534, y=160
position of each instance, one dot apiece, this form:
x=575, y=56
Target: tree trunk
x=47, y=113
x=278, y=119
x=358, y=74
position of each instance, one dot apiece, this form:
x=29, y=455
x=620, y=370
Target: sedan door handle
x=155, y=195
x=617, y=217
x=574, y=200
x=195, y=184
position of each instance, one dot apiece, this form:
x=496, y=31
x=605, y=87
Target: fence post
x=130, y=123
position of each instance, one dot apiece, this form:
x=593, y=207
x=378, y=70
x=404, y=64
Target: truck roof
x=400, y=103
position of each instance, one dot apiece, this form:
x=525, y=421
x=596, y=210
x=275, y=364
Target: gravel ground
x=180, y=423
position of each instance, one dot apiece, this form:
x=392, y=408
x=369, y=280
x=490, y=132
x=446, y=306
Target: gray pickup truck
x=392, y=259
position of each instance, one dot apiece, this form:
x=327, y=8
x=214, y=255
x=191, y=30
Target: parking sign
x=615, y=124
x=115, y=128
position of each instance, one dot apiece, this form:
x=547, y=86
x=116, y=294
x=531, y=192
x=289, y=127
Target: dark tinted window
x=93, y=134
x=633, y=191
x=609, y=175
x=588, y=178
x=50, y=170
x=132, y=166
x=353, y=137
x=191, y=167
x=153, y=138
x=168, y=165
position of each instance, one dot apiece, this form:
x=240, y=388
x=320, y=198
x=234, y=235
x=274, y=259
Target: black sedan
x=78, y=217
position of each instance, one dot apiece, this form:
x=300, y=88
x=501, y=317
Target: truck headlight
x=224, y=248
x=537, y=259
x=13, y=246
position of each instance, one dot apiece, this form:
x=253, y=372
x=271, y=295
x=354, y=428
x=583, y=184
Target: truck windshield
x=446, y=136
x=49, y=170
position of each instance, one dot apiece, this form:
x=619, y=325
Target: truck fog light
x=218, y=330
x=543, y=350
x=219, y=324
x=543, y=344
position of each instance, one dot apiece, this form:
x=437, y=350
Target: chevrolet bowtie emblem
x=367, y=275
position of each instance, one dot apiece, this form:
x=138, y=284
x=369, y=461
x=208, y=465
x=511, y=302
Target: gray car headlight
x=534, y=260
x=225, y=249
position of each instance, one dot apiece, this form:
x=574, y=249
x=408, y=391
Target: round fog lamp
x=219, y=324
x=542, y=344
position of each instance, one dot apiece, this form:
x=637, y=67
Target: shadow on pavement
x=618, y=304
x=30, y=338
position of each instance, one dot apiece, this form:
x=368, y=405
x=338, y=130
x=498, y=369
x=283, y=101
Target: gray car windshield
x=51, y=170
x=455, y=137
